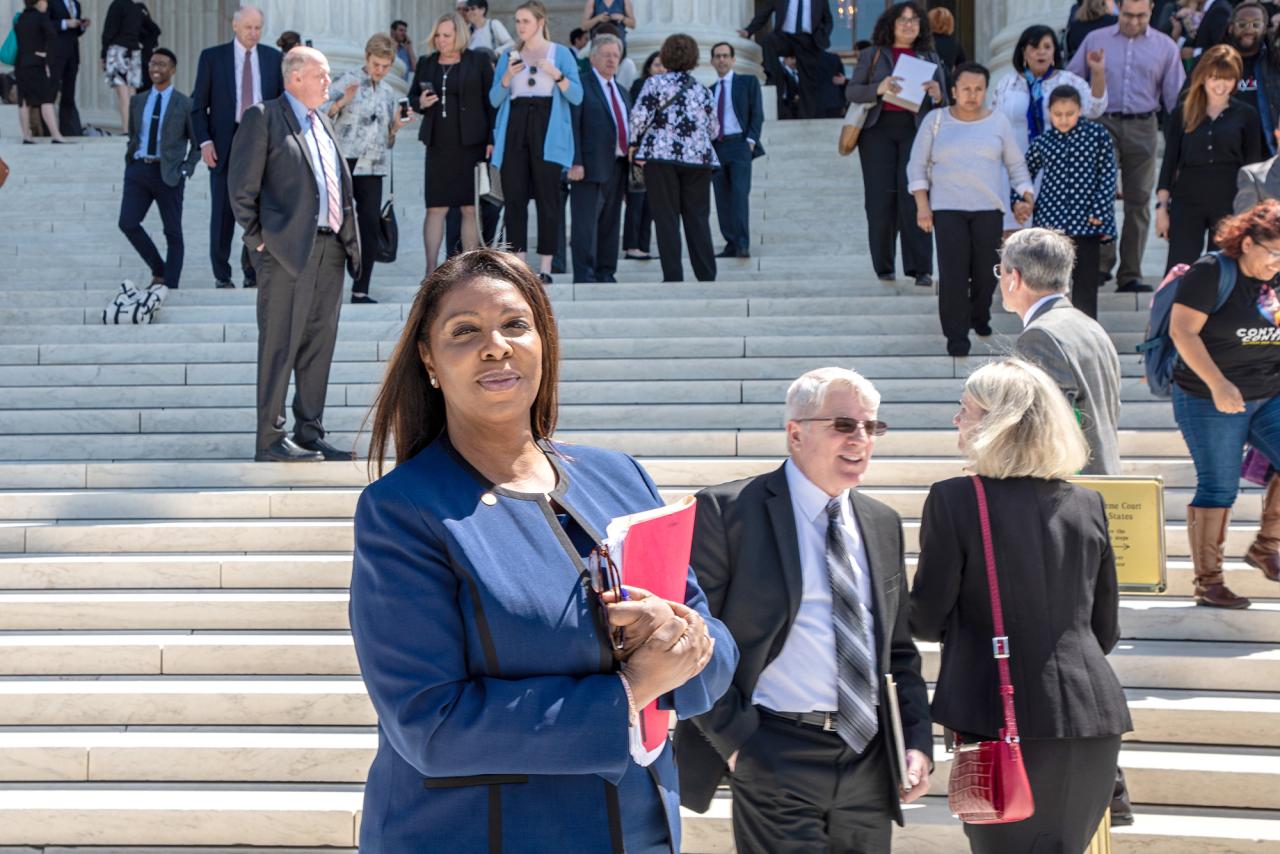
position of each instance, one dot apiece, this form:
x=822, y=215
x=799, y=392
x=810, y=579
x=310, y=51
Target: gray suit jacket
x=1075, y=351
x=1256, y=183
x=273, y=188
x=179, y=151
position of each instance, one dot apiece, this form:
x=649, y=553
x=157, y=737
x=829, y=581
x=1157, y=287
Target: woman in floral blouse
x=366, y=118
x=673, y=124
x=1076, y=163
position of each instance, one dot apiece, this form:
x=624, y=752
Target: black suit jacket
x=475, y=77
x=747, y=559
x=67, y=42
x=1213, y=28
x=595, y=136
x=272, y=187
x=34, y=32
x=214, y=113
x=748, y=106
x=1058, y=591
x=178, y=149
x=820, y=22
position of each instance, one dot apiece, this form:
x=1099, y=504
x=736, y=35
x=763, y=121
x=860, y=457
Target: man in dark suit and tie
x=292, y=194
x=801, y=28
x=64, y=61
x=809, y=576
x=599, y=173
x=230, y=79
x=161, y=155
x=740, y=110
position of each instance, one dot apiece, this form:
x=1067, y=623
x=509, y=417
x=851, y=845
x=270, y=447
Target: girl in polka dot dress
x=1078, y=189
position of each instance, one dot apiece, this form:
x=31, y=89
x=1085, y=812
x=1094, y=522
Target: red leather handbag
x=988, y=780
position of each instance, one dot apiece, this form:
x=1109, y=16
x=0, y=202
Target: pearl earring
x=435, y=383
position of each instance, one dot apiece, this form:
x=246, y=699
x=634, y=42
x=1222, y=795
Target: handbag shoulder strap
x=684, y=87
x=999, y=643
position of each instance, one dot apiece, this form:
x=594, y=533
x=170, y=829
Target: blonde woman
x=1058, y=591
x=366, y=120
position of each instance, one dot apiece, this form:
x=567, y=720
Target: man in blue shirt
x=161, y=155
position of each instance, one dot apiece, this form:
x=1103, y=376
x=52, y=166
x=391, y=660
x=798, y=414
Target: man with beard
x=1260, y=84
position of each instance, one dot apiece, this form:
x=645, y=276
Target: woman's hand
x=1022, y=211
x=889, y=84
x=1097, y=62
x=515, y=65
x=676, y=652
x=488, y=152
x=349, y=93
x=1093, y=220
x=1227, y=398
x=546, y=65
x=429, y=100
x=924, y=218
x=639, y=615
x=934, y=91
x=1162, y=223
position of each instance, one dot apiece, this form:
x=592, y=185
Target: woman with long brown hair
x=1208, y=138
x=483, y=636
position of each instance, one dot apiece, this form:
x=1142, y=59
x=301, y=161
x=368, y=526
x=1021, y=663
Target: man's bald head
x=246, y=23
x=306, y=76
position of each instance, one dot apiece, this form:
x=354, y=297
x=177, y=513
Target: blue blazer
x=214, y=115
x=595, y=136
x=501, y=723
x=558, y=147
x=748, y=106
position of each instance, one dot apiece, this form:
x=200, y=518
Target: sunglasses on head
x=842, y=424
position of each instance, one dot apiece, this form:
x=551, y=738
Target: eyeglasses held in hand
x=606, y=577
x=852, y=425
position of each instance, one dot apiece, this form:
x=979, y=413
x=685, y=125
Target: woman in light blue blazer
x=506, y=721
x=533, y=88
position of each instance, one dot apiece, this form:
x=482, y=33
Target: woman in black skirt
x=450, y=89
x=35, y=35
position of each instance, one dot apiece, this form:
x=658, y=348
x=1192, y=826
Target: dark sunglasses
x=852, y=425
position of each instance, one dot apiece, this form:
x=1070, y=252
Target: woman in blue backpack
x=1226, y=385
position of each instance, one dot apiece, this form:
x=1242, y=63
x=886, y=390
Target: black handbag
x=488, y=180
x=388, y=231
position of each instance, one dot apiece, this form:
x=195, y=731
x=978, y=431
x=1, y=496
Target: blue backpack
x=1158, y=353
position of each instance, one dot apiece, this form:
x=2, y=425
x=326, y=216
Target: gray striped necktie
x=855, y=667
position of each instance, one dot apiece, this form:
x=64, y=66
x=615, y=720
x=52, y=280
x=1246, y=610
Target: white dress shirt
x=731, y=123
x=1035, y=306
x=798, y=17
x=315, y=136
x=803, y=676
x=72, y=9
x=605, y=86
x=238, y=50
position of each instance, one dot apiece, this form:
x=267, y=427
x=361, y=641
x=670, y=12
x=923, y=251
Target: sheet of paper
x=913, y=73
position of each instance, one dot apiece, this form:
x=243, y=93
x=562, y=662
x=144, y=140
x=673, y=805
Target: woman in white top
x=486, y=34
x=1023, y=96
x=957, y=173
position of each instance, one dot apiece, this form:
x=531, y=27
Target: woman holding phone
x=450, y=88
x=366, y=117
x=534, y=88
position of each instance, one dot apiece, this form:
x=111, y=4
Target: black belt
x=730, y=136
x=147, y=160
x=1124, y=117
x=825, y=721
x=324, y=229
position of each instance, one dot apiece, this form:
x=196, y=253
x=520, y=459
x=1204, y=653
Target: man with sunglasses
x=809, y=576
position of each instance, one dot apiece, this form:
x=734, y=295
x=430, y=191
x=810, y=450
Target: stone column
x=708, y=21
x=1005, y=22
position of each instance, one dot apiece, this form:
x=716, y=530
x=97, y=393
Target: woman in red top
x=885, y=144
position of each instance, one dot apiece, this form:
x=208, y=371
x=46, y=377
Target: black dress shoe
x=728, y=252
x=610, y=280
x=983, y=329
x=1134, y=287
x=329, y=452
x=645, y=257
x=250, y=283
x=363, y=299
x=924, y=281
x=225, y=284
x=958, y=348
x=285, y=450
x=546, y=278
x=886, y=277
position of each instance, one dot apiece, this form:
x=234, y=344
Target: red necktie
x=618, y=119
x=720, y=109
x=246, y=85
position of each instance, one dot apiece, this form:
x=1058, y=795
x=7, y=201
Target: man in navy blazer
x=599, y=173
x=740, y=110
x=64, y=61
x=230, y=79
x=801, y=28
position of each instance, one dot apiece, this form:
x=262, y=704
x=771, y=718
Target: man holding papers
x=809, y=577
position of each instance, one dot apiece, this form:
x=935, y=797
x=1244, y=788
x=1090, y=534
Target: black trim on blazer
x=473, y=780
x=482, y=622
x=614, y=811
x=495, y=820
x=666, y=813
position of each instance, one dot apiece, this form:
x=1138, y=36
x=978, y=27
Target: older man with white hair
x=810, y=577
x=230, y=79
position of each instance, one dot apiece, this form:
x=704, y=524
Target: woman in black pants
x=672, y=125
x=35, y=35
x=1209, y=136
x=885, y=144
x=637, y=226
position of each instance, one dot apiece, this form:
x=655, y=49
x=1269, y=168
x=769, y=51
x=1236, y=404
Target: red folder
x=655, y=548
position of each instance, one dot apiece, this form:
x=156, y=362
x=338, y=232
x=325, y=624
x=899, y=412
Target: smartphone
x=308, y=43
x=429, y=88
x=515, y=57
x=404, y=108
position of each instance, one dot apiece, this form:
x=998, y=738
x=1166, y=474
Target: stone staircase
x=176, y=668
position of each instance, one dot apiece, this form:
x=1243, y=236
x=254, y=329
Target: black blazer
x=1058, y=591
x=67, y=42
x=272, y=187
x=1213, y=27
x=129, y=25
x=475, y=76
x=748, y=106
x=747, y=559
x=34, y=32
x=875, y=64
x=595, y=136
x=214, y=113
x=820, y=22
x=178, y=149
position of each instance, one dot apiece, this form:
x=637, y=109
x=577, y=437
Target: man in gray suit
x=1073, y=348
x=161, y=156
x=1257, y=182
x=300, y=227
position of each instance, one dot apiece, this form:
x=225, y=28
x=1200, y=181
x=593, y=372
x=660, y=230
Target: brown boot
x=1206, y=532
x=1265, y=551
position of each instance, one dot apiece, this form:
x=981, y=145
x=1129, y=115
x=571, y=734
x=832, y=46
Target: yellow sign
x=1135, y=515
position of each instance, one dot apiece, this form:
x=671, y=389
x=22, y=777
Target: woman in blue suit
x=504, y=715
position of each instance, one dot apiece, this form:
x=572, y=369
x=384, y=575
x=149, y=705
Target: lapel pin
x=489, y=498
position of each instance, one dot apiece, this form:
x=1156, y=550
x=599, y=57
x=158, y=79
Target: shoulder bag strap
x=999, y=643
x=684, y=87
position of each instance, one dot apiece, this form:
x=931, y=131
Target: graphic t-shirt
x=1247, y=93
x=1243, y=342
